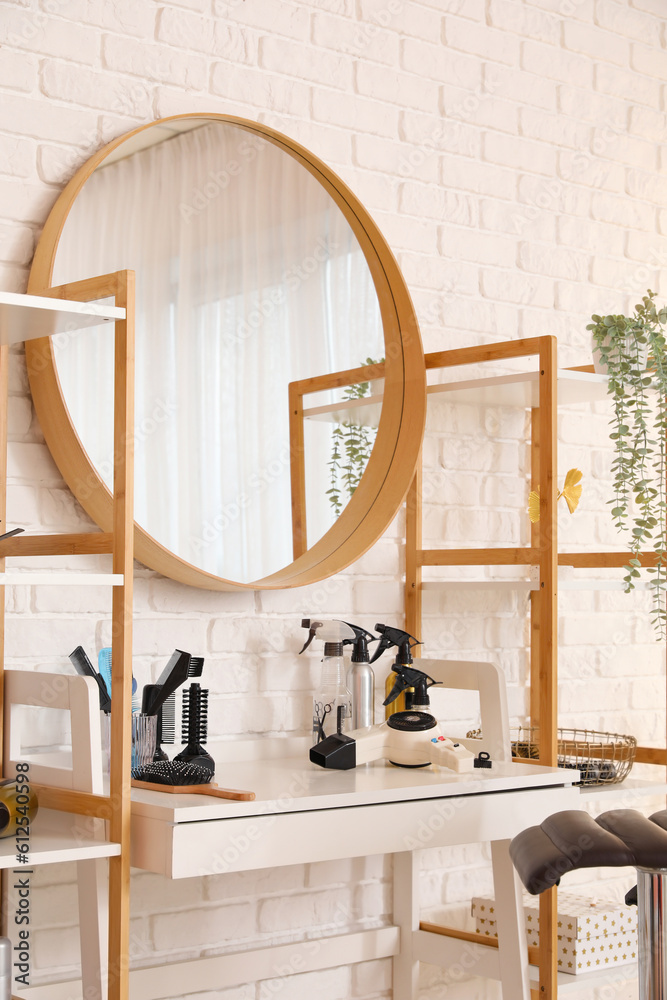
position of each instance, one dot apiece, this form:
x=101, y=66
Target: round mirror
x=263, y=457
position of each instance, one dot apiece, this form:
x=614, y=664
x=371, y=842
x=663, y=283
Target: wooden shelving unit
x=542, y=391
x=61, y=310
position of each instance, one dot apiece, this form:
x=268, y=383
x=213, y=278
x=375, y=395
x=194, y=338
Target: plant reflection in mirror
x=632, y=350
x=351, y=447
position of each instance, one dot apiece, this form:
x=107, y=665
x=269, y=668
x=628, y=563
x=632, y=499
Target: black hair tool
x=10, y=534
x=180, y=667
x=84, y=668
x=195, y=728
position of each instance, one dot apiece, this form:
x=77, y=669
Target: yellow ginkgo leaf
x=534, y=505
x=571, y=491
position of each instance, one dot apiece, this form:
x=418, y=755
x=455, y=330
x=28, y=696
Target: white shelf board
x=519, y=390
x=522, y=389
x=55, y=837
x=60, y=578
x=365, y=412
x=25, y=317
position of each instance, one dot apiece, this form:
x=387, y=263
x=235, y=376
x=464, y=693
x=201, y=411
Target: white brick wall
x=511, y=152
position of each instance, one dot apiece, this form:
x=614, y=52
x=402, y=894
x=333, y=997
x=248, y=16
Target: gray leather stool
x=572, y=839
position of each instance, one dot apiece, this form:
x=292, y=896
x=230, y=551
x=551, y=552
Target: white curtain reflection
x=248, y=277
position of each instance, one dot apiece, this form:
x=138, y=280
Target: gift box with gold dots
x=591, y=935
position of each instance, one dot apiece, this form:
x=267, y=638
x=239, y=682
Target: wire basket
x=602, y=758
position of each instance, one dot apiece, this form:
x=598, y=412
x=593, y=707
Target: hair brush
x=194, y=728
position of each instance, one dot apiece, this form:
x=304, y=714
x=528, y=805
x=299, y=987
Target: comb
x=174, y=674
x=84, y=668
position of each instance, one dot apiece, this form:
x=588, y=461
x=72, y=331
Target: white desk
x=303, y=813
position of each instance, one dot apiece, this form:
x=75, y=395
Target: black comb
x=84, y=667
x=180, y=666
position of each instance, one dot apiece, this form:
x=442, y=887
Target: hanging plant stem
x=632, y=349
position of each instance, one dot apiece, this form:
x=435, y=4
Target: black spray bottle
x=405, y=688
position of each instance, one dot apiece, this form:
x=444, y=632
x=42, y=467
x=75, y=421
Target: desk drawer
x=212, y=847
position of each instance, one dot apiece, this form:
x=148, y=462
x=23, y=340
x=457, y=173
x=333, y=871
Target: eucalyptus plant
x=632, y=350
x=351, y=448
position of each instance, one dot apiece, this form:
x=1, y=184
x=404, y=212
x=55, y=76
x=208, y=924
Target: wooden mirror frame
x=394, y=456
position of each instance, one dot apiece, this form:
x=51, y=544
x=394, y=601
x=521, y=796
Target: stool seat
x=571, y=839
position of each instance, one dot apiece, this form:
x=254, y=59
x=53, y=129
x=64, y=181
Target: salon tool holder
x=406, y=739
x=572, y=839
x=332, y=703
x=166, y=719
x=360, y=678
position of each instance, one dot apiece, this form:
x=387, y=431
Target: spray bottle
x=360, y=678
x=332, y=703
x=407, y=691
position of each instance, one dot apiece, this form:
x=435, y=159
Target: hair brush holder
x=193, y=765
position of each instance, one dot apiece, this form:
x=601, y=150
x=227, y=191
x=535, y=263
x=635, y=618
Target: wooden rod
x=336, y=380
x=602, y=560
x=473, y=937
x=81, y=543
x=297, y=471
x=546, y=540
x=413, y=563
x=520, y=556
x=650, y=755
x=88, y=289
x=121, y=642
x=491, y=352
x=68, y=800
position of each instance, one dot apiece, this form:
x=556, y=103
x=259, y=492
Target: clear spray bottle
x=332, y=704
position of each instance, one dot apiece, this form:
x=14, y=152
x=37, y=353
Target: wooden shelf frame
x=119, y=543
x=542, y=553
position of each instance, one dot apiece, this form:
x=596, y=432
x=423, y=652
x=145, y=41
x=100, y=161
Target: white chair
x=489, y=680
x=79, y=771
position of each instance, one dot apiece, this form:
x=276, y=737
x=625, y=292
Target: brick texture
x=511, y=152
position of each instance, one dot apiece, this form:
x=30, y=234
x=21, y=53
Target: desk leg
x=512, y=945
x=406, y=917
x=94, y=925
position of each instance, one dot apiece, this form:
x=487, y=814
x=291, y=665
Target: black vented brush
x=194, y=728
